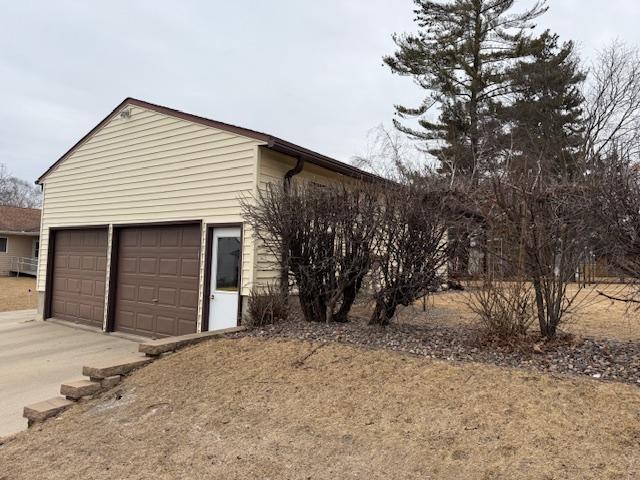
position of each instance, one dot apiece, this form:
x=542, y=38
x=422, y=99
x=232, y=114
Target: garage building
x=142, y=229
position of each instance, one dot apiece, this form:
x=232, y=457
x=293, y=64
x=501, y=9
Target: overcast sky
x=305, y=70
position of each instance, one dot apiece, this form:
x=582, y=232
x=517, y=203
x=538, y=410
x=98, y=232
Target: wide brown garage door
x=157, y=280
x=79, y=266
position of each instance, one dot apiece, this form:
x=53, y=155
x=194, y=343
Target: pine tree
x=461, y=55
x=545, y=120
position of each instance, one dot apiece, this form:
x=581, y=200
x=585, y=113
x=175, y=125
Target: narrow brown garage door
x=157, y=280
x=79, y=266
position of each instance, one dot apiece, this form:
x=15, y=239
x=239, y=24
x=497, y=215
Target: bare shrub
x=267, y=306
x=323, y=236
x=505, y=310
x=413, y=249
x=543, y=220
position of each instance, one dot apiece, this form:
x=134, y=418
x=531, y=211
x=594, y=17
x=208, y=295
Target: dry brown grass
x=248, y=408
x=14, y=293
x=594, y=315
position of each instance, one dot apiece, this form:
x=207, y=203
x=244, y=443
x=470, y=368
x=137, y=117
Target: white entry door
x=226, y=251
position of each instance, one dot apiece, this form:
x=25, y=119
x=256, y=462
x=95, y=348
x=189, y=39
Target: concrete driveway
x=36, y=357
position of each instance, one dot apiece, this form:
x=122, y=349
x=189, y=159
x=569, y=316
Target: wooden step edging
x=77, y=389
x=111, y=368
x=41, y=411
x=108, y=374
x=154, y=348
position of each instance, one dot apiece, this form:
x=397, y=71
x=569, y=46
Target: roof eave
x=288, y=148
x=20, y=234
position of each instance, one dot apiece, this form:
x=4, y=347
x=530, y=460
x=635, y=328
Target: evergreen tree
x=545, y=120
x=461, y=55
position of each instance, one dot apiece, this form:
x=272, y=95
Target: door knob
x=211, y=296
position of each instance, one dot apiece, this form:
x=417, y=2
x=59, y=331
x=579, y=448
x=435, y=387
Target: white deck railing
x=25, y=265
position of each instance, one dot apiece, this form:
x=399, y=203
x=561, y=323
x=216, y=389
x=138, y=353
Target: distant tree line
x=16, y=192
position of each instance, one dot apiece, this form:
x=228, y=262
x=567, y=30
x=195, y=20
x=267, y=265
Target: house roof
x=19, y=220
x=272, y=142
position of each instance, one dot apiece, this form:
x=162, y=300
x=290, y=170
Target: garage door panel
x=170, y=238
x=126, y=292
x=189, y=298
x=167, y=296
x=128, y=240
x=189, y=268
x=89, y=262
x=72, y=309
x=148, y=265
x=128, y=265
x=85, y=311
x=148, y=238
x=168, y=266
x=57, y=305
x=146, y=293
x=79, y=269
x=98, y=312
x=158, y=277
x=191, y=238
x=87, y=287
x=184, y=326
x=101, y=263
x=144, y=322
x=74, y=262
x=166, y=325
x=126, y=318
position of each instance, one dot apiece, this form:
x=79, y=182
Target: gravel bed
x=596, y=358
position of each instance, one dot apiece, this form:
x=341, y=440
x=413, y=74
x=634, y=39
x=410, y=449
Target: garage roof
x=272, y=142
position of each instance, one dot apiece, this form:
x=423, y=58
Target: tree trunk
x=540, y=307
x=348, y=298
x=313, y=306
x=382, y=314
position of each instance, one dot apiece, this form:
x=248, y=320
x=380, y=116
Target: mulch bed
x=596, y=358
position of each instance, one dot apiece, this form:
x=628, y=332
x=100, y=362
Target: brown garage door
x=157, y=280
x=79, y=266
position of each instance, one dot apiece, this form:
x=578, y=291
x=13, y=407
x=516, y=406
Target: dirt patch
x=251, y=408
x=17, y=293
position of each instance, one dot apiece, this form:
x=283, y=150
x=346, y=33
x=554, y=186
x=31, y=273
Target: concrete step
x=111, y=368
x=154, y=348
x=39, y=412
x=77, y=389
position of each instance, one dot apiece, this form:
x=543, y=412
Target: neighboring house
x=19, y=240
x=142, y=226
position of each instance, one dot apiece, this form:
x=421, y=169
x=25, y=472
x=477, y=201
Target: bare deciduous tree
x=16, y=192
x=613, y=103
x=615, y=219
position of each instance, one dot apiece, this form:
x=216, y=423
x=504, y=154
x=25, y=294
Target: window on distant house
x=36, y=249
x=3, y=244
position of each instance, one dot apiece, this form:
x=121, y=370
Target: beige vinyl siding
x=152, y=167
x=272, y=168
x=17, y=246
